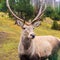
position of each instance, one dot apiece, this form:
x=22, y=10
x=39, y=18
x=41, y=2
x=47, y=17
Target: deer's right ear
x=19, y=23
x=37, y=23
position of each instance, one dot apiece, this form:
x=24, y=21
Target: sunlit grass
x=9, y=42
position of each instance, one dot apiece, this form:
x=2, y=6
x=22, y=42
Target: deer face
x=28, y=31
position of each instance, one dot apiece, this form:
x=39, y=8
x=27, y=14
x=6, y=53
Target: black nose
x=33, y=36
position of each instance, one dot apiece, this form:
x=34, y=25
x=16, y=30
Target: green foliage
x=54, y=57
x=52, y=13
x=49, y=11
x=23, y=8
x=55, y=25
x=59, y=27
x=56, y=16
x=3, y=5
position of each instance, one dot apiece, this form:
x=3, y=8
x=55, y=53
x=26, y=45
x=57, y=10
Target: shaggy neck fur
x=26, y=43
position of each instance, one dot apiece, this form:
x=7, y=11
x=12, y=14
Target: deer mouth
x=31, y=36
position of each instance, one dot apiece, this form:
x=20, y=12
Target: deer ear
x=19, y=23
x=37, y=23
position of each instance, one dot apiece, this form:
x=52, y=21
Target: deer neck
x=26, y=42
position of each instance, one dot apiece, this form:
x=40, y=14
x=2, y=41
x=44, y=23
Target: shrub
x=55, y=16
x=55, y=25
x=59, y=27
x=52, y=13
x=49, y=12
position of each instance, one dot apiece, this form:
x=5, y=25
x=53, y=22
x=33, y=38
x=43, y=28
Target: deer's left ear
x=19, y=23
x=37, y=23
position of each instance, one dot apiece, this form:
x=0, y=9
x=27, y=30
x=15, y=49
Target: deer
x=32, y=47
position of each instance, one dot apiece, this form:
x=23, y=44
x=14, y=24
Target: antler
x=7, y=3
x=40, y=13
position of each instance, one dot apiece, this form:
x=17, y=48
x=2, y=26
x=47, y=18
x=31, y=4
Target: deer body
x=33, y=47
x=45, y=45
x=40, y=46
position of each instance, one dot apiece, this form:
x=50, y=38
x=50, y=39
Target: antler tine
x=7, y=3
x=40, y=13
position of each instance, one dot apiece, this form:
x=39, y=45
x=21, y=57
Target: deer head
x=28, y=26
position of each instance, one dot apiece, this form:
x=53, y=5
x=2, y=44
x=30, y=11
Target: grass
x=10, y=35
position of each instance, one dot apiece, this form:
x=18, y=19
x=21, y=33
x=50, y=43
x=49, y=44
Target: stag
x=33, y=47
